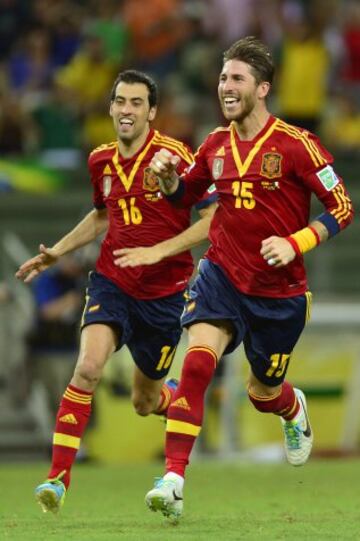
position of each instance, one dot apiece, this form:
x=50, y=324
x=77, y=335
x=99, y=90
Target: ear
x=264, y=89
x=110, y=108
x=152, y=113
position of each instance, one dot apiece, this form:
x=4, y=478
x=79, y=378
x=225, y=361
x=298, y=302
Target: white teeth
x=126, y=121
x=230, y=101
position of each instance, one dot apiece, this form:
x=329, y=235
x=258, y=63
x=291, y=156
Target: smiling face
x=131, y=112
x=238, y=91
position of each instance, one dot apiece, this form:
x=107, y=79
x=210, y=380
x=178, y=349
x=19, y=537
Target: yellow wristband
x=306, y=239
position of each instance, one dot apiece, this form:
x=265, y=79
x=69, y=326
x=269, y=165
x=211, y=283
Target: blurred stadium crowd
x=60, y=57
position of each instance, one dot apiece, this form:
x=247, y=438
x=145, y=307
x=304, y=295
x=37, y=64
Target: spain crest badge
x=271, y=165
x=150, y=181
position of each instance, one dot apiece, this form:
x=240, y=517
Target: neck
x=248, y=128
x=128, y=148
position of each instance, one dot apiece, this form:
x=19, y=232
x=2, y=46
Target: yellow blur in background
x=323, y=366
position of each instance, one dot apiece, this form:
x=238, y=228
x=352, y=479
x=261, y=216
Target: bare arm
x=94, y=223
x=194, y=235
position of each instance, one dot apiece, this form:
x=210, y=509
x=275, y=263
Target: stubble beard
x=248, y=105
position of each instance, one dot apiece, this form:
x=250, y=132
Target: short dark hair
x=254, y=52
x=135, y=76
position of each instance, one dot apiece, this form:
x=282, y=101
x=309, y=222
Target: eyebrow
x=232, y=75
x=133, y=98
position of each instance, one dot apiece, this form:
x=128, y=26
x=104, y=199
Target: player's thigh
x=216, y=334
x=274, y=327
x=97, y=343
x=144, y=386
x=153, y=350
x=213, y=310
x=106, y=304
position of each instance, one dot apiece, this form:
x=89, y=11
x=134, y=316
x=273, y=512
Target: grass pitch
x=226, y=502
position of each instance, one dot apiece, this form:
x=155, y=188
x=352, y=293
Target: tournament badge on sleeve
x=107, y=182
x=106, y=185
x=217, y=168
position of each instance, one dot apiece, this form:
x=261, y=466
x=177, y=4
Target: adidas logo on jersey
x=220, y=152
x=181, y=403
x=69, y=418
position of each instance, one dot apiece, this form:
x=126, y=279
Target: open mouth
x=230, y=101
x=126, y=123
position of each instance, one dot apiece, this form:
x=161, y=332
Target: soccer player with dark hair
x=137, y=307
x=252, y=285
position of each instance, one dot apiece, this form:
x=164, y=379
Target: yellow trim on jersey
x=243, y=167
x=181, y=427
x=174, y=144
x=308, y=297
x=179, y=150
x=128, y=180
x=66, y=441
x=343, y=209
x=106, y=146
x=204, y=348
x=221, y=128
x=310, y=146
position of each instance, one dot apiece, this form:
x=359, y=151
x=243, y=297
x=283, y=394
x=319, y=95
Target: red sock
x=167, y=394
x=185, y=413
x=283, y=403
x=71, y=421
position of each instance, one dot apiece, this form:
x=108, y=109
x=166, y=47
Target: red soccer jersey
x=139, y=216
x=264, y=188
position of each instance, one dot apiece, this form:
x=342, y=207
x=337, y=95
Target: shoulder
x=101, y=153
x=220, y=133
x=301, y=142
x=174, y=145
x=215, y=139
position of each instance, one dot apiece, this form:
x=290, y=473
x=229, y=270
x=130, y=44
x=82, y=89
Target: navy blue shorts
x=268, y=327
x=149, y=328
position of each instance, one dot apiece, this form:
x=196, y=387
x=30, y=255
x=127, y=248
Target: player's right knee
x=89, y=370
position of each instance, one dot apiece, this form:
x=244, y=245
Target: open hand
x=34, y=266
